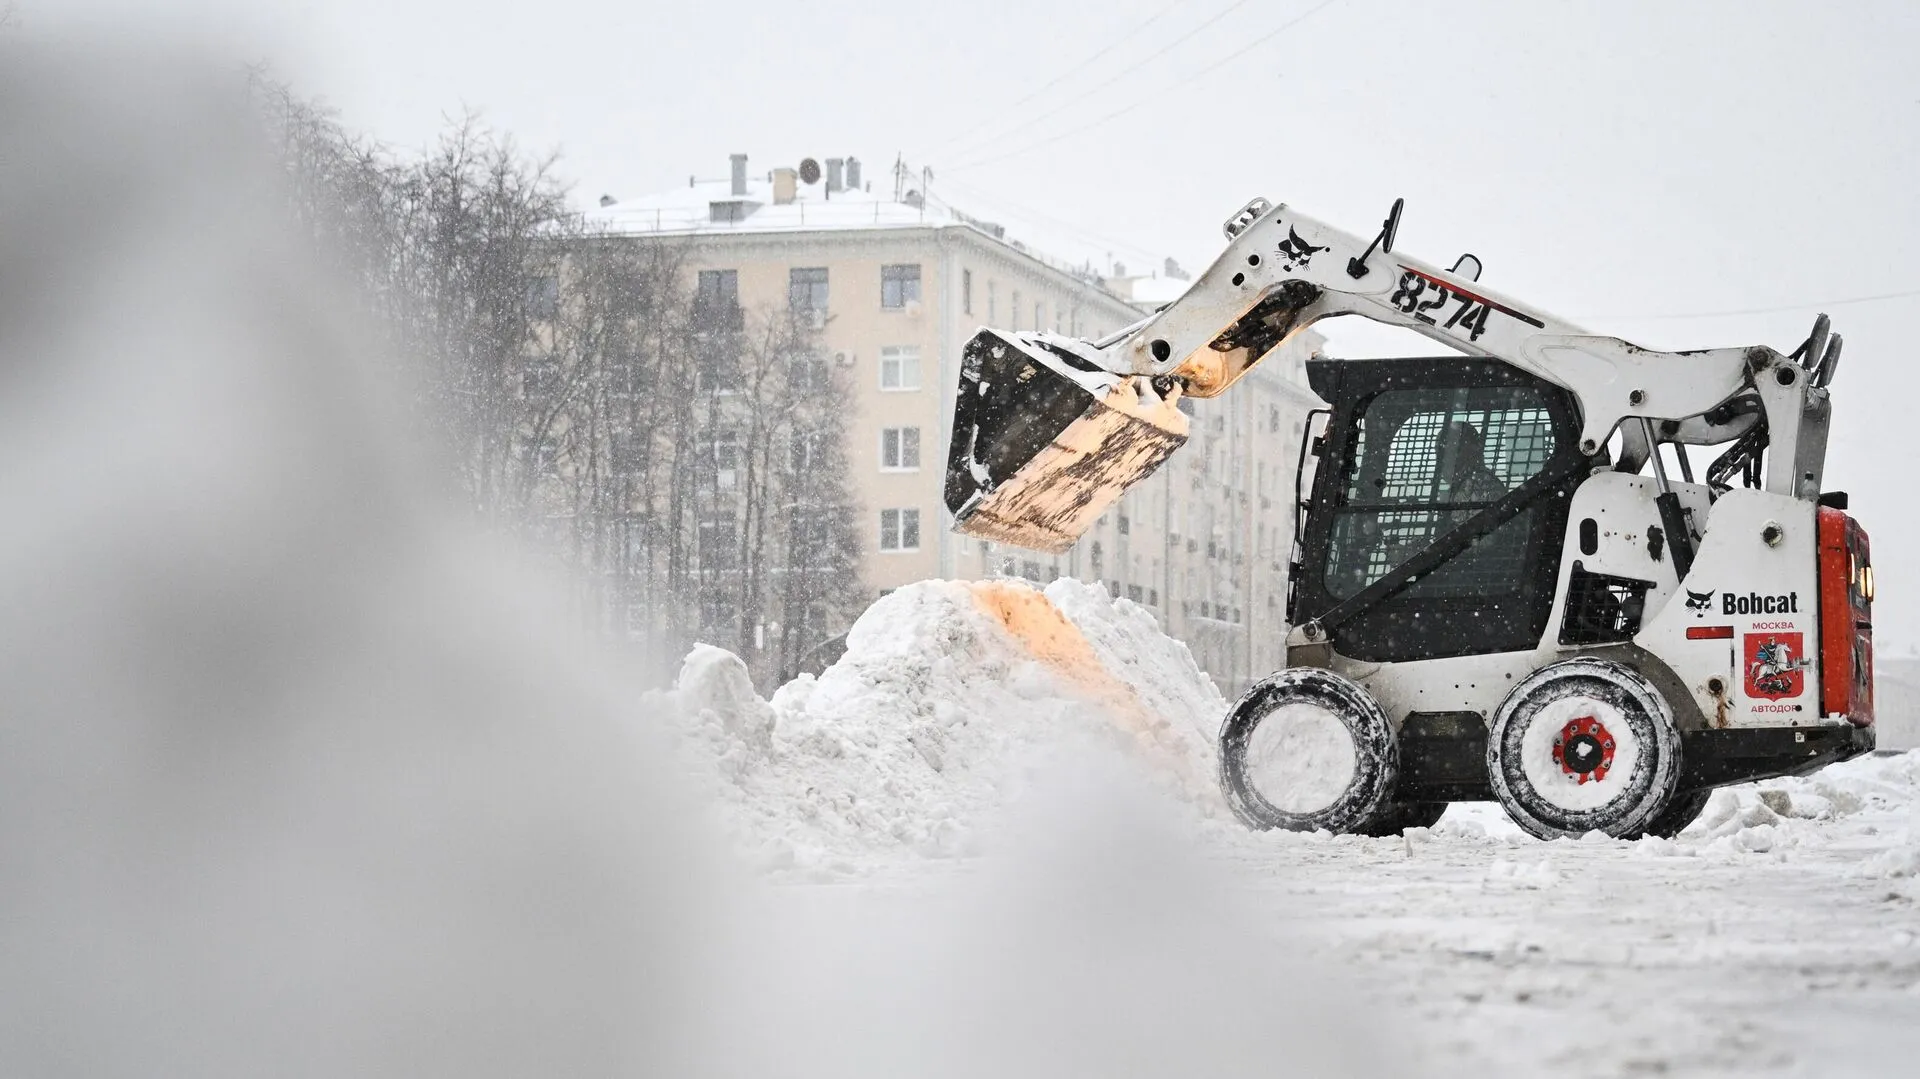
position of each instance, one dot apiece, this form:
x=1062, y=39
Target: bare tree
x=819, y=591
x=686, y=459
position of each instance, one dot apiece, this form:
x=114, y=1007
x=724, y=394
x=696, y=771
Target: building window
x=993, y=303
x=806, y=450
x=811, y=542
x=716, y=370
x=1098, y=557
x=718, y=288
x=807, y=288
x=966, y=292
x=1153, y=597
x=716, y=306
x=630, y=452
x=899, y=530
x=1124, y=523
x=900, y=449
x=543, y=296
x=1039, y=315
x=808, y=371
x=1134, y=593
x=899, y=285
x=1014, y=311
x=718, y=542
x=900, y=367
x=726, y=460
x=627, y=375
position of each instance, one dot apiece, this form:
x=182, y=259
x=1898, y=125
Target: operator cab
x=1473, y=453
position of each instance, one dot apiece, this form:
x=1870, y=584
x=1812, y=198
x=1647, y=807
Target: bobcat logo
x=1699, y=602
x=1295, y=252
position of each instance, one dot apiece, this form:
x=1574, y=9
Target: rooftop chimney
x=783, y=186
x=739, y=173
x=835, y=173
x=853, y=173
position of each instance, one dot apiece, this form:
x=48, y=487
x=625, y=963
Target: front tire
x=1684, y=809
x=1307, y=749
x=1584, y=745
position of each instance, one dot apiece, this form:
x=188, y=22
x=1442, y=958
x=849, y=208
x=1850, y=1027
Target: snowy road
x=1605, y=958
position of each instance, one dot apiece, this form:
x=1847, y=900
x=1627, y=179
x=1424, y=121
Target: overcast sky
x=1614, y=162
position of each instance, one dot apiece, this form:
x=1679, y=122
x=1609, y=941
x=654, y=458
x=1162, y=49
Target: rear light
x=1709, y=633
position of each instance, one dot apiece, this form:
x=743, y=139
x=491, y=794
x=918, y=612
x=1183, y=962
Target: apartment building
x=896, y=282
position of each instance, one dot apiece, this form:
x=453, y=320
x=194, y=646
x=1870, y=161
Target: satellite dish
x=809, y=170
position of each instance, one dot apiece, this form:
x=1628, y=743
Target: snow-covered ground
x=1778, y=935
x=1754, y=942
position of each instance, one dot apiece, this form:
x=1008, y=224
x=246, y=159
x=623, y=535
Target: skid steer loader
x=1498, y=588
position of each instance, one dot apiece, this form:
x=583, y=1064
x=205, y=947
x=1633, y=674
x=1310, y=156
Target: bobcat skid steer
x=1499, y=587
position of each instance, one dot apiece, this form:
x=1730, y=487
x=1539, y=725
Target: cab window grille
x=1602, y=608
x=1425, y=460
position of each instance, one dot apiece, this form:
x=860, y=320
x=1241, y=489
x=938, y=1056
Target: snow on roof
x=690, y=210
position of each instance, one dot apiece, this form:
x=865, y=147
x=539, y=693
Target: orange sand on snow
x=1050, y=638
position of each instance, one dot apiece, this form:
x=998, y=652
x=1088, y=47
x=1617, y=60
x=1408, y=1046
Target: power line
x=1124, y=72
x=1808, y=306
x=1078, y=231
x=1125, y=109
x=1063, y=76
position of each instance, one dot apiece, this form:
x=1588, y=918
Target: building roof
x=689, y=211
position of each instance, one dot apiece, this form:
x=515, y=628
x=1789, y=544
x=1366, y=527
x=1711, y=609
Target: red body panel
x=1846, y=618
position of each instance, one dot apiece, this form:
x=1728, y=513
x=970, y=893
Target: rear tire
x=1307, y=749
x=1583, y=745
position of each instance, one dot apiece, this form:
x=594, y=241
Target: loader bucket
x=1044, y=441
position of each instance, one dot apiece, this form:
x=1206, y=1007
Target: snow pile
x=1773, y=815
x=948, y=695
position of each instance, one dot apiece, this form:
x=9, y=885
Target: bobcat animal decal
x=1296, y=253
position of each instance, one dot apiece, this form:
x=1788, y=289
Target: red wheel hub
x=1584, y=749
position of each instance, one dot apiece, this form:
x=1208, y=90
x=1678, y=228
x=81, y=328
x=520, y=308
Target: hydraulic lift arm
x=1033, y=461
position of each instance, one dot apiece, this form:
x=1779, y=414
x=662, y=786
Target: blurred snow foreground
x=298, y=776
